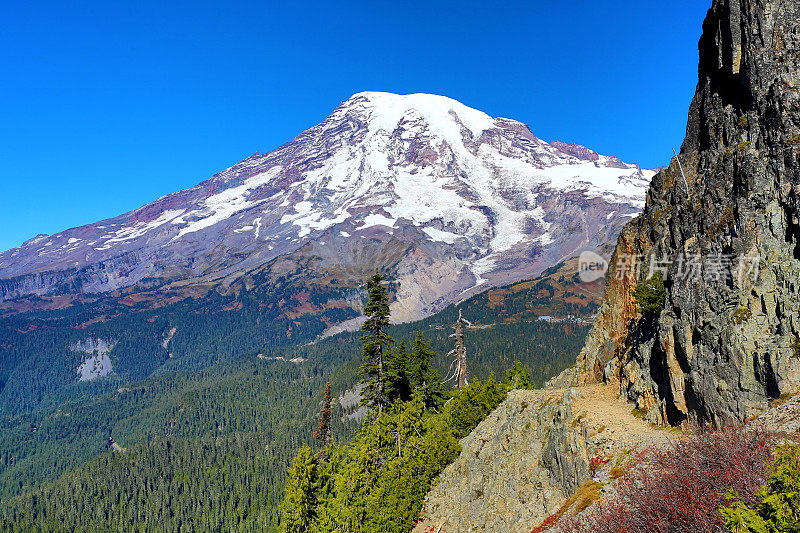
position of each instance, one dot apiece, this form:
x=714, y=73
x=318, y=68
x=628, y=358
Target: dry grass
x=585, y=496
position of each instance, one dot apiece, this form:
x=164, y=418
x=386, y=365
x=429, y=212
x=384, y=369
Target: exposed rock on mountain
x=515, y=468
x=97, y=363
x=527, y=458
x=727, y=239
x=446, y=198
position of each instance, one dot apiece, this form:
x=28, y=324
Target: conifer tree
x=424, y=376
x=519, y=376
x=300, y=503
x=398, y=386
x=778, y=510
x=376, y=341
x=323, y=432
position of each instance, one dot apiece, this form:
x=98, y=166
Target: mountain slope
x=446, y=198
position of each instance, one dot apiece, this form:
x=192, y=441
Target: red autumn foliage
x=681, y=487
x=596, y=462
x=551, y=520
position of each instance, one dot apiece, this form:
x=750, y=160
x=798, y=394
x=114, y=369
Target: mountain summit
x=445, y=197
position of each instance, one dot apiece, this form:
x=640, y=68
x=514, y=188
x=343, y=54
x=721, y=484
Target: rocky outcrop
x=97, y=364
x=515, y=468
x=722, y=224
x=531, y=454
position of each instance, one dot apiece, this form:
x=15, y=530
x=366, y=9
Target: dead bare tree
x=459, y=354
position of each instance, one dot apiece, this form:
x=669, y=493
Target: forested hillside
x=217, y=395
x=38, y=355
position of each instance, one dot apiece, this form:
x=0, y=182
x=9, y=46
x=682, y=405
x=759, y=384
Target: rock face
x=515, y=468
x=726, y=238
x=445, y=198
x=97, y=363
x=525, y=461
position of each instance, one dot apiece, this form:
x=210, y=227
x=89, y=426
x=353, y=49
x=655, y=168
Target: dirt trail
x=611, y=417
x=607, y=416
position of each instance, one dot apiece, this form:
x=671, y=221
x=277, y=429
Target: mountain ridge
x=446, y=198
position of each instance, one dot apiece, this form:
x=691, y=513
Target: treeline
x=378, y=482
x=214, y=483
x=275, y=401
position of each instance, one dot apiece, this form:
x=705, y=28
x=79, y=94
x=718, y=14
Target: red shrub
x=680, y=488
x=551, y=520
x=596, y=462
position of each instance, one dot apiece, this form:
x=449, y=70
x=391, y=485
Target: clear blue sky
x=105, y=106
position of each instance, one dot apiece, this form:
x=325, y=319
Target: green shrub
x=472, y=404
x=778, y=508
x=651, y=295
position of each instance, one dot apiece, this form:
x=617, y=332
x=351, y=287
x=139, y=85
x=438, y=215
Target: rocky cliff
x=721, y=227
x=515, y=468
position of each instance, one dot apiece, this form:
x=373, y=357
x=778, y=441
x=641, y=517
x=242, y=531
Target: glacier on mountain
x=482, y=194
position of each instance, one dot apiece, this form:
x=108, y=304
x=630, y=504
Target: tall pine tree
x=398, y=386
x=299, y=505
x=424, y=377
x=323, y=432
x=376, y=342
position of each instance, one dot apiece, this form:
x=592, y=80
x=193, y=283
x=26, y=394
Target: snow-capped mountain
x=446, y=198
